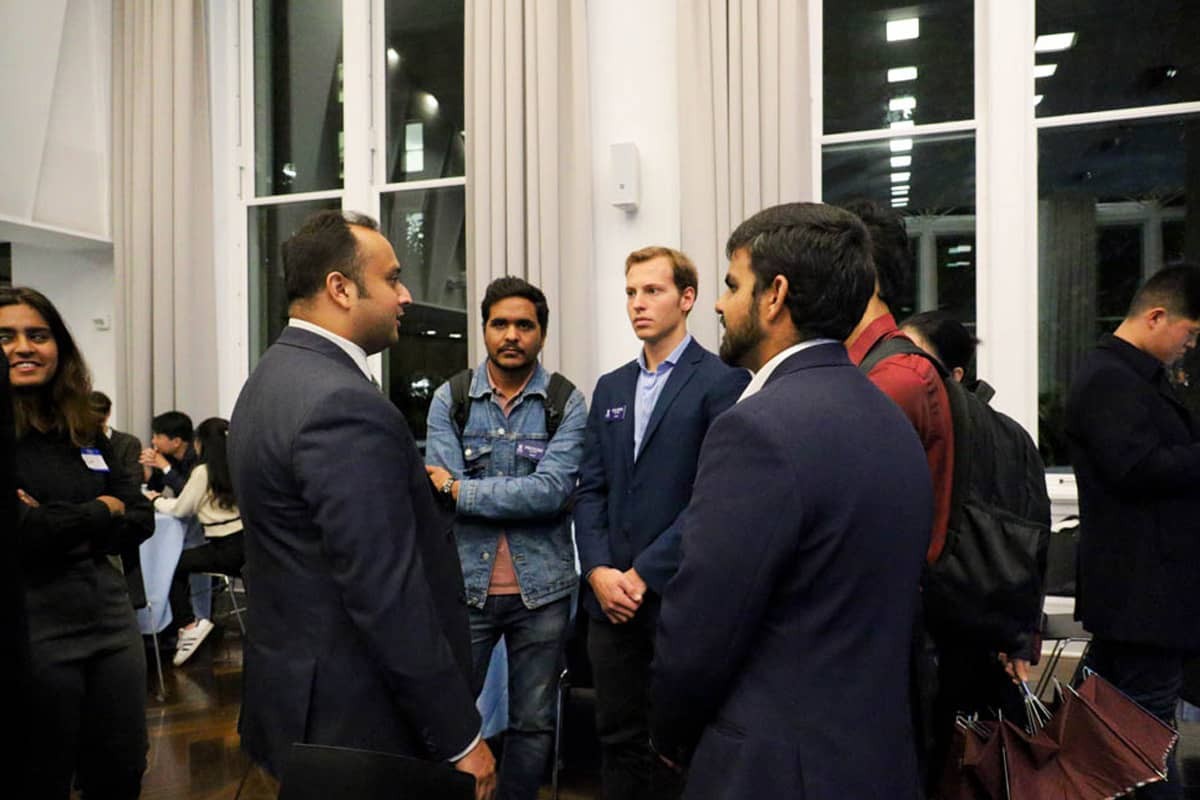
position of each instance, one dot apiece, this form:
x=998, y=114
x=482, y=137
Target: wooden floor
x=194, y=752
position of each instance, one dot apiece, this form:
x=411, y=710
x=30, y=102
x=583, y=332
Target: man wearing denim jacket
x=510, y=484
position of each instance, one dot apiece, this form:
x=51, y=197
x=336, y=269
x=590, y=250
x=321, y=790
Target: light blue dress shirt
x=649, y=387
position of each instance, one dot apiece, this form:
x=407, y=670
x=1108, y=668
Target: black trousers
x=621, y=656
x=970, y=680
x=89, y=721
x=223, y=554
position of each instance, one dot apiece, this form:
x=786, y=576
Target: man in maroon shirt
x=968, y=677
x=910, y=380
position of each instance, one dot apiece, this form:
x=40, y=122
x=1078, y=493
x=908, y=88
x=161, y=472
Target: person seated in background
x=126, y=447
x=169, y=461
x=943, y=337
x=207, y=495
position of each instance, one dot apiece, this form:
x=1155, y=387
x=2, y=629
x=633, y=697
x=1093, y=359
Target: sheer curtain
x=162, y=212
x=529, y=183
x=743, y=94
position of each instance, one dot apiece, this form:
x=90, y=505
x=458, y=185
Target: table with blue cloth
x=160, y=554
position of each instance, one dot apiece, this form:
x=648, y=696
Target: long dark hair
x=62, y=405
x=212, y=435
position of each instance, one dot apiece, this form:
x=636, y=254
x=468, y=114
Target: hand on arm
x=438, y=477
x=115, y=506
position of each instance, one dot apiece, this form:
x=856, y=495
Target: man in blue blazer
x=357, y=633
x=643, y=436
x=781, y=664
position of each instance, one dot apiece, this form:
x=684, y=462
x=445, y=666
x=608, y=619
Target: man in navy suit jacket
x=643, y=437
x=357, y=633
x=781, y=664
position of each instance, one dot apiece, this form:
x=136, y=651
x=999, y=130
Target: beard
x=739, y=340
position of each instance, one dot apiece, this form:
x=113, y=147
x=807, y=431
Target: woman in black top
x=75, y=514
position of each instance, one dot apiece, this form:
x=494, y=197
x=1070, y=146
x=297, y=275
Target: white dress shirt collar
x=356, y=353
x=760, y=378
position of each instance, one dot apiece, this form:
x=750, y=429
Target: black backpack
x=557, y=394
x=986, y=586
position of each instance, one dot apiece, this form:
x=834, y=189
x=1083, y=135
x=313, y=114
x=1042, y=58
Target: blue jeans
x=1152, y=677
x=534, y=638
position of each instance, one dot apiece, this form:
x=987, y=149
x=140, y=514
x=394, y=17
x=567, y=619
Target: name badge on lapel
x=95, y=462
x=614, y=414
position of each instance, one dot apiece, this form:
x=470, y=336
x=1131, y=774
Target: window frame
x=1006, y=226
x=364, y=93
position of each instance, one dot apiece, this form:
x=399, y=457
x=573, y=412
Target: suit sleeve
x=658, y=562
x=1116, y=425
x=591, y=501
x=355, y=465
x=739, y=533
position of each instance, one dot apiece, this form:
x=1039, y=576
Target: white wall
x=80, y=284
x=55, y=92
x=635, y=98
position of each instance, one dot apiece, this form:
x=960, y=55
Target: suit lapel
x=681, y=373
x=626, y=395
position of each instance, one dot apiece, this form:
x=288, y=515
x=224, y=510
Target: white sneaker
x=189, y=639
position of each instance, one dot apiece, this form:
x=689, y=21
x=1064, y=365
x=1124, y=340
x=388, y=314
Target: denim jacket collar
x=481, y=387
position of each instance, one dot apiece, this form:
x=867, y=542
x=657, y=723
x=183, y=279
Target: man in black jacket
x=1136, y=453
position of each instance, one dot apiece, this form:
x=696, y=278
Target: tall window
x=1111, y=130
x=298, y=131
x=1116, y=86
x=408, y=162
x=898, y=122
x=422, y=207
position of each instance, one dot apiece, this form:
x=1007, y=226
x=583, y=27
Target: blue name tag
x=94, y=460
x=533, y=452
x=614, y=414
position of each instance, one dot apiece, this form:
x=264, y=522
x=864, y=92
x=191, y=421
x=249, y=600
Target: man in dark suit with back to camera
x=357, y=633
x=781, y=664
x=1136, y=453
x=643, y=437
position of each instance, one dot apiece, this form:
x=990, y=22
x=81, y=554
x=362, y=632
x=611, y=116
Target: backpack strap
x=896, y=346
x=960, y=417
x=460, y=399
x=557, y=395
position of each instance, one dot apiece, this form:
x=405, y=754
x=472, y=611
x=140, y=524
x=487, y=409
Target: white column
x=1006, y=177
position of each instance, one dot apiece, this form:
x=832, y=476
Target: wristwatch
x=448, y=486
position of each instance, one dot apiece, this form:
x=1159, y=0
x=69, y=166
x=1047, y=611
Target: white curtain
x=162, y=212
x=529, y=183
x=744, y=91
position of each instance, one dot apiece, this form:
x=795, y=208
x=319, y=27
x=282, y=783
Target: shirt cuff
x=166, y=469
x=474, y=742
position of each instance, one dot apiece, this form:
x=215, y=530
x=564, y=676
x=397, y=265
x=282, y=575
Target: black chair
x=576, y=674
x=316, y=772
